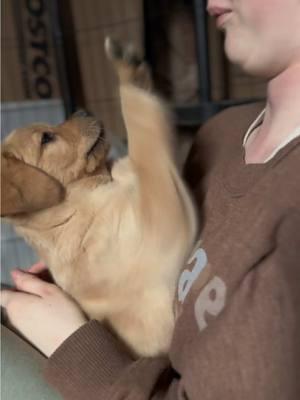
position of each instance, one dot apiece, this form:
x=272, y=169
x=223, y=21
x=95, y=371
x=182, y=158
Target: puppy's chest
x=98, y=253
x=69, y=241
x=78, y=249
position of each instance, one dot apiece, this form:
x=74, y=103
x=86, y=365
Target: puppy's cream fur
x=114, y=240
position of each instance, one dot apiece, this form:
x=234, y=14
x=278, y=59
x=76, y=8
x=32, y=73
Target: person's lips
x=221, y=14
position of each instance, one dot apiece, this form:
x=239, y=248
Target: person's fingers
x=37, y=267
x=41, y=270
x=6, y=296
x=11, y=296
x=30, y=283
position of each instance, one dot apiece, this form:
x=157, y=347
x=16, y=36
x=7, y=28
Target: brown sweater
x=237, y=334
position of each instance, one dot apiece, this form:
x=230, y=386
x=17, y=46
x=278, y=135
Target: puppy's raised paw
x=128, y=63
x=116, y=52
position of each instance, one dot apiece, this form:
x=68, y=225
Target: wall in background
x=30, y=43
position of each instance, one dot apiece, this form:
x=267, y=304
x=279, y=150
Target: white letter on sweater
x=210, y=300
x=187, y=278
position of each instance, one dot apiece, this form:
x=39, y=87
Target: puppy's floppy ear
x=26, y=189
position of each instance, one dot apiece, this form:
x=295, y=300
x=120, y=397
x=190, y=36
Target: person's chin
x=234, y=52
x=238, y=54
x=245, y=54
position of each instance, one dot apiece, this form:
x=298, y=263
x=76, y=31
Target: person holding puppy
x=238, y=300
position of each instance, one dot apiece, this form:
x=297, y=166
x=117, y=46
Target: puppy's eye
x=47, y=137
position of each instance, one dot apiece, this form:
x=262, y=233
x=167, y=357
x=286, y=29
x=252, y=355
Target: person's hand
x=41, y=270
x=41, y=311
x=37, y=268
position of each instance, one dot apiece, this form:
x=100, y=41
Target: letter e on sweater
x=211, y=300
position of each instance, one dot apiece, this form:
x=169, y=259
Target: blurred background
x=53, y=63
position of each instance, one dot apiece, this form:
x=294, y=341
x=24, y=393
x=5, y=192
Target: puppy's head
x=40, y=161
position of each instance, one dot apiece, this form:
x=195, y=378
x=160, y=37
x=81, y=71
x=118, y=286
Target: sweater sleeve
x=249, y=351
x=93, y=364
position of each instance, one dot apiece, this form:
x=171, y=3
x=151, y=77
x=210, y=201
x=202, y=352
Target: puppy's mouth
x=97, y=153
x=98, y=143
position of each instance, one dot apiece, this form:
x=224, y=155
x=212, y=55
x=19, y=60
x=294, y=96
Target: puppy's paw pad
x=131, y=56
x=113, y=48
x=124, y=54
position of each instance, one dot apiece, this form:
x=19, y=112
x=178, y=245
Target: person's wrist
x=63, y=336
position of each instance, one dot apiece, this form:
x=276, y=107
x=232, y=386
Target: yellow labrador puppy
x=114, y=239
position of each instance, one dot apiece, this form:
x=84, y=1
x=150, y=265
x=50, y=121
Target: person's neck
x=283, y=102
x=281, y=117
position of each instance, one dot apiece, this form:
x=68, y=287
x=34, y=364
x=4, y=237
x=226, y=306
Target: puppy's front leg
x=150, y=141
x=147, y=119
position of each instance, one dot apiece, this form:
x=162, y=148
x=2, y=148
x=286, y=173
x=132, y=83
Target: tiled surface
x=18, y=114
x=14, y=253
